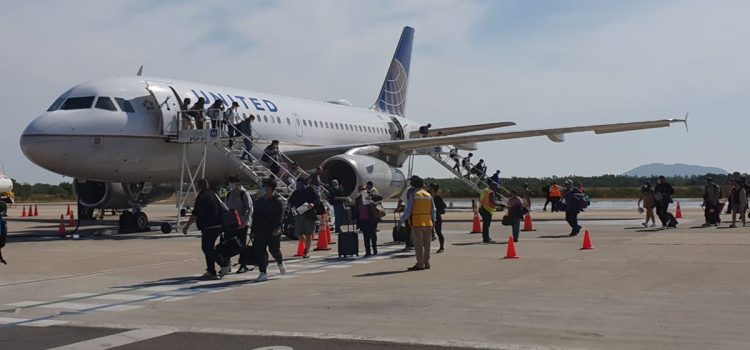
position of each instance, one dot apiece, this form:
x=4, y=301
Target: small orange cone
x=477, y=226
x=301, y=247
x=72, y=221
x=511, y=253
x=23, y=213
x=61, y=228
x=527, y=225
x=587, y=241
x=36, y=210
x=322, y=240
x=328, y=230
x=67, y=213
x=678, y=212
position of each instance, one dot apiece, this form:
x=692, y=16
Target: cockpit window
x=124, y=105
x=105, y=103
x=78, y=103
x=55, y=105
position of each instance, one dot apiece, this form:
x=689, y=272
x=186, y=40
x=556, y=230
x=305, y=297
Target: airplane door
x=297, y=121
x=397, y=130
x=169, y=105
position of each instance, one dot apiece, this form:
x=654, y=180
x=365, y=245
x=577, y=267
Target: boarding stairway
x=475, y=182
x=256, y=169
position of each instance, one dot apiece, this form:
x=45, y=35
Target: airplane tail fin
x=392, y=96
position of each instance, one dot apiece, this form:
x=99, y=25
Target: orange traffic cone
x=72, y=221
x=322, y=240
x=36, y=210
x=678, y=212
x=301, y=247
x=328, y=231
x=67, y=213
x=477, y=226
x=61, y=228
x=587, y=241
x=511, y=253
x=527, y=225
x=23, y=213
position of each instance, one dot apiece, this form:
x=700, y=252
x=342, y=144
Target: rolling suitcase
x=227, y=248
x=348, y=243
x=247, y=256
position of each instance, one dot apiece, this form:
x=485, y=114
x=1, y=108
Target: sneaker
x=282, y=269
x=645, y=224
x=426, y=266
x=440, y=250
x=224, y=270
x=732, y=226
x=573, y=234
x=262, y=277
x=415, y=268
x=367, y=255
x=242, y=269
x=209, y=275
x=488, y=242
x=653, y=224
x=306, y=256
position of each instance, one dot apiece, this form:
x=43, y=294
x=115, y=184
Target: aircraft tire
x=166, y=227
x=140, y=221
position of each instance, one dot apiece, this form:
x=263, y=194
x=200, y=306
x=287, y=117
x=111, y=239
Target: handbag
x=507, y=220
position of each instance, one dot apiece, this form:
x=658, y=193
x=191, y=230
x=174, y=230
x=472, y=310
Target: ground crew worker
x=420, y=212
x=488, y=203
x=554, y=196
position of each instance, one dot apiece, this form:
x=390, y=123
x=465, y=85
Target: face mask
x=262, y=189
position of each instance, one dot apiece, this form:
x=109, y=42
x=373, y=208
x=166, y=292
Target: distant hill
x=672, y=170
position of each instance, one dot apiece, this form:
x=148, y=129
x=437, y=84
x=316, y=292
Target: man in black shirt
x=663, y=194
x=266, y=227
x=337, y=200
x=439, y=211
x=207, y=216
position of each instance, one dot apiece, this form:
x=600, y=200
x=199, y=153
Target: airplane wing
x=407, y=145
x=463, y=129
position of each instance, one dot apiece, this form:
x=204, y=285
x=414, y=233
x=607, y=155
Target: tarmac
x=639, y=288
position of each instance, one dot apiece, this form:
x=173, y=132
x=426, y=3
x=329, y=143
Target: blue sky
x=538, y=63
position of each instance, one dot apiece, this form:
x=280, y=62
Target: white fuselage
x=92, y=143
x=6, y=185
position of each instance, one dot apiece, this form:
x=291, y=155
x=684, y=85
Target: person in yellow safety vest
x=488, y=204
x=554, y=195
x=420, y=212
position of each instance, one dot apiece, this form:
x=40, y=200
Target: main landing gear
x=136, y=221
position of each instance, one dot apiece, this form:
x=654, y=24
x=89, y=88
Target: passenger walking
x=373, y=192
x=272, y=157
x=3, y=237
x=648, y=198
x=215, y=113
x=555, y=194
x=527, y=193
x=266, y=228
x=466, y=163
x=515, y=207
x=545, y=190
x=246, y=127
x=663, y=193
x=737, y=196
x=479, y=169
x=419, y=210
x=187, y=122
x=239, y=199
x=439, y=211
x=711, y=209
x=338, y=202
x=234, y=119
x=303, y=200
x=207, y=216
x=197, y=112
x=572, y=207
x=456, y=160
x=367, y=222
x=488, y=204
x=495, y=178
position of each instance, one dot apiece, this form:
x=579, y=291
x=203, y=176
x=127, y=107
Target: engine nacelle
x=108, y=195
x=354, y=170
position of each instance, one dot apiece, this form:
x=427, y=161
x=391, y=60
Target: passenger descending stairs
x=474, y=182
x=255, y=168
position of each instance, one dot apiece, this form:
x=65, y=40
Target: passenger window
x=265, y=118
x=278, y=119
x=288, y=121
x=55, y=105
x=105, y=103
x=304, y=122
x=78, y=103
x=337, y=126
x=124, y=105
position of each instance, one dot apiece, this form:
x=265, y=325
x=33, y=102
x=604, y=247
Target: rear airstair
x=475, y=182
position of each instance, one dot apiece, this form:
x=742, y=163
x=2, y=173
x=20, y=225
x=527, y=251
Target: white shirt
x=232, y=116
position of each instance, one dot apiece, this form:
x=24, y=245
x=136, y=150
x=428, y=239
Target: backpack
x=583, y=200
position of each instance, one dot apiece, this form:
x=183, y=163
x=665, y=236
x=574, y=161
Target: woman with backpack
x=648, y=199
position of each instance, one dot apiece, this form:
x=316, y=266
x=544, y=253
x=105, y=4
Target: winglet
x=140, y=71
x=686, y=121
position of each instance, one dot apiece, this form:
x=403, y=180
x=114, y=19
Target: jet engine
x=109, y=195
x=353, y=170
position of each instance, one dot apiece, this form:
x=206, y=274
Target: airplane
x=116, y=136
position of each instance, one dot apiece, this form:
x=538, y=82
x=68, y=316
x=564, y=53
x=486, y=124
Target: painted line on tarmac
x=393, y=341
x=27, y=322
x=115, y=340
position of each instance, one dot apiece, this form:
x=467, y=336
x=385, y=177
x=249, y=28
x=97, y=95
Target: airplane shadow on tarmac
x=555, y=236
x=476, y=243
x=383, y=273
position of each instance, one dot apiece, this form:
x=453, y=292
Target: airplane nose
x=46, y=141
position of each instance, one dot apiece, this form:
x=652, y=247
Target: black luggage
x=401, y=233
x=714, y=215
x=348, y=244
x=671, y=220
x=247, y=256
x=227, y=248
